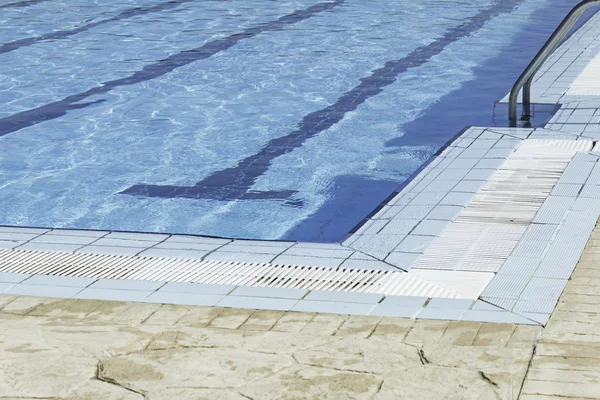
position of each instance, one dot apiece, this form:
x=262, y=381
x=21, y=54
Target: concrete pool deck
x=478, y=279
x=89, y=349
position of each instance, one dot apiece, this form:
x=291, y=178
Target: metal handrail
x=546, y=51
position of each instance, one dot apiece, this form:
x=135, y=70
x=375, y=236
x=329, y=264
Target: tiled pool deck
x=490, y=230
x=95, y=350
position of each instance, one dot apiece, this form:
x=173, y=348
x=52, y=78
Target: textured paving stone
x=567, y=360
x=426, y=332
x=358, y=327
x=199, y=317
x=293, y=322
x=494, y=335
x=80, y=308
x=191, y=352
x=324, y=324
x=46, y=309
x=315, y=383
x=442, y=383
x=561, y=389
x=262, y=320
x=524, y=335
x=105, y=311
x=136, y=313
x=24, y=304
x=393, y=328
x=231, y=318
x=338, y=355
x=167, y=315
x=6, y=299
x=460, y=333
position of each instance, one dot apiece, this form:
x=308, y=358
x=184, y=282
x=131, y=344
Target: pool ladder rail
x=525, y=80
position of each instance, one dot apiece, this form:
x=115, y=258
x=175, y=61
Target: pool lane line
x=235, y=182
x=132, y=12
x=25, y=119
x=22, y=4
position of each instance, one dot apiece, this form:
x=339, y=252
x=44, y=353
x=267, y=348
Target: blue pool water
x=242, y=118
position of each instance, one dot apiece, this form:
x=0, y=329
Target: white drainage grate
x=103, y=266
x=487, y=230
x=468, y=284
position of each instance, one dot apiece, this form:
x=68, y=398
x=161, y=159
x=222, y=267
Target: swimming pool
x=253, y=119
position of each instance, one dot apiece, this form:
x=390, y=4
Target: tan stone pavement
x=566, y=364
x=83, y=349
x=64, y=349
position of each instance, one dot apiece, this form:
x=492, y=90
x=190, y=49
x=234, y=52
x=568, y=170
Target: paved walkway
x=87, y=349
x=566, y=364
x=90, y=349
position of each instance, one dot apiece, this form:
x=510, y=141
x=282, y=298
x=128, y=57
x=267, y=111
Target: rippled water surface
x=242, y=118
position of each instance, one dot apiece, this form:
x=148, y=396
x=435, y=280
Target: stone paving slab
x=566, y=363
x=74, y=349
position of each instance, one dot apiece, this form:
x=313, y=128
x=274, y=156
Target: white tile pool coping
x=479, y=234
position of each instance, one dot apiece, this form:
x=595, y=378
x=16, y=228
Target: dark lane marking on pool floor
x=25, y=119
x=133, y=12
x=233, y=183
x=23, y=3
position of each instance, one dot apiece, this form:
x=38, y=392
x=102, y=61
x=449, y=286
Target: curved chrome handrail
x=546, y=51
